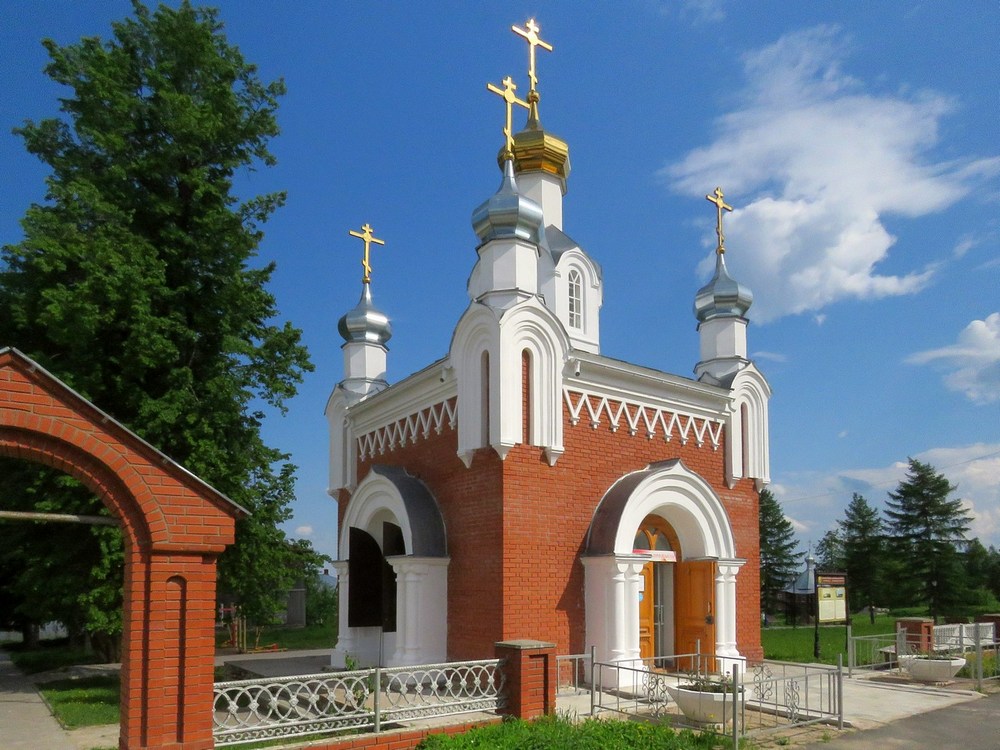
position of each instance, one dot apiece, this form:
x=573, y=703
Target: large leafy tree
x=778, y=557
x=928, y=531
x=864, y=553
x=137, y=281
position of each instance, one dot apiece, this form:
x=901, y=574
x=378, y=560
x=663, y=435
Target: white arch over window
x=748, y=441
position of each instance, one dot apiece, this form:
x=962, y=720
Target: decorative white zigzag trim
x=649, y=419
x=407, y=430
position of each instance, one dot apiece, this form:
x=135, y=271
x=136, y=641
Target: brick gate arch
x=174, y=525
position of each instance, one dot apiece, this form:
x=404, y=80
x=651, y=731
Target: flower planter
x=932, y=669
x=702, y=706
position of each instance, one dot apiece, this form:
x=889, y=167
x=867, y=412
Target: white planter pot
x=704, y=707
x=932, y=670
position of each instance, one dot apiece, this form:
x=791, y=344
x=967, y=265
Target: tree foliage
x=928, y=532
x=863, y=535
x=137, y=282
x=778, y=557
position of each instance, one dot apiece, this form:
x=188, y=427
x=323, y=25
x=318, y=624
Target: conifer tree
x=928, y=529
x=137, y=281
x=864, y=546
x=778, y=558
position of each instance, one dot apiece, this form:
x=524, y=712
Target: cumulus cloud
x=973, y=361
x=817, y=164
x=818, y=499
x=304, y=531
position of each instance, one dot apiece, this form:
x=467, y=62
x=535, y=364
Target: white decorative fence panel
x=362, y=700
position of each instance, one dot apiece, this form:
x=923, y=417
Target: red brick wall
x=470, y=504
x=174, y=529
x=534, y=535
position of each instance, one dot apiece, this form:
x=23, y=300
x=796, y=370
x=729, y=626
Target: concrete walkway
x=25, y=720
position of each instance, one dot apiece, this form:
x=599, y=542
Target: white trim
x=408, y=430
x=648, y=419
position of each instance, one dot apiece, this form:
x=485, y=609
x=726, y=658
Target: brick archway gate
x=174, y=525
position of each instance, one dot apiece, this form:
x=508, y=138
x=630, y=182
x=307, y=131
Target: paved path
x=25, y=720
x=974, y=724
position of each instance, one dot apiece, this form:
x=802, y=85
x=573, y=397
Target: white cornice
x=432, y=385
x=622, y=381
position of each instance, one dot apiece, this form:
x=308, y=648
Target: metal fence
x=976, y=643
x=367, y=700
x=573, y=674
x=749, y=699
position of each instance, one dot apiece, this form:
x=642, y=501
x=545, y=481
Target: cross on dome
x=366, y=236
x=530, y=35
x=507, y=92
x=720, y=206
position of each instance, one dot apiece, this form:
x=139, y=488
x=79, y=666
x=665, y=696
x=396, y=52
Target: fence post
x=979, y=663
x=840, y=691
x=851, y=650
x=377, y=689
x=736, y=691
x=697, y=656
x=593, y=679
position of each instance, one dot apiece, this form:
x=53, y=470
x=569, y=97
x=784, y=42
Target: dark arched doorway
x=174, y=525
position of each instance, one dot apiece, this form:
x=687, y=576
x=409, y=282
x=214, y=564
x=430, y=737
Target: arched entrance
x=660, y=568
x=174, y=526
x=393, y=573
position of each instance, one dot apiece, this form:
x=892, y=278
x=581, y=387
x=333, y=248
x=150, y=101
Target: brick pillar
x=995, y=619
x=167, y=674
x=530, y=672
x=919, y=632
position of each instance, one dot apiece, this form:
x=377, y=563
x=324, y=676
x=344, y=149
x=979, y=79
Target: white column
x=632, y=573
x=421, y=610
x=725, y=607
x=345, y=637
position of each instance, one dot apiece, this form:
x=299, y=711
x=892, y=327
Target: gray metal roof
x=426, y=523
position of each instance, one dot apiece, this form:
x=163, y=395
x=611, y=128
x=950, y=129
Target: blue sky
x=857, y=141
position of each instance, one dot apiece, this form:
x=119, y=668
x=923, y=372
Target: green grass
x=309, y=637
x=552, y=733
x=53, y=654
x=796, y=644
x=86, y=702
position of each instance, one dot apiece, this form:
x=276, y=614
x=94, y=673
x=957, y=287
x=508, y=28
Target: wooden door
x=647, y=608
x=694, y=610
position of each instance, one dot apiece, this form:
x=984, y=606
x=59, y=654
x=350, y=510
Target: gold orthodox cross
x=531, y=35
x=366, y=236
x=720, y=206
x=507, y=92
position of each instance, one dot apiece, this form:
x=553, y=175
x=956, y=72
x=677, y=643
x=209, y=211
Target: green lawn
x=293, y=639
x=554, y=733
x=796, y=644
x=85, y=702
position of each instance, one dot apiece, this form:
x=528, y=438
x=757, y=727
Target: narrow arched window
x=575, y=299
x=526, y=394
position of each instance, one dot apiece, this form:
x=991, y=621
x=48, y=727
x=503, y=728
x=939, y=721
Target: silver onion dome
x=365, y=323
x=507, y=213
x=723, y=296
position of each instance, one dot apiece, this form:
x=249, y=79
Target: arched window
x=575, y=299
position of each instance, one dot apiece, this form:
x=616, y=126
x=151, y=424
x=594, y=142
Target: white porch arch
x=389, y=494
x=613, y=572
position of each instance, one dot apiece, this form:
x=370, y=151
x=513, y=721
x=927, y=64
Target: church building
x=527, y=486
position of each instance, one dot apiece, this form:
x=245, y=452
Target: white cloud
x=304, y=531
x=814, y=164
x=818, y=500
x=771, y=356
x=974, y=360
x=704, y=11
